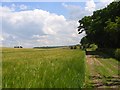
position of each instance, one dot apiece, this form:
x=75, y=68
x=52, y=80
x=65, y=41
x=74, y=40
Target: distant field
x=43, y=68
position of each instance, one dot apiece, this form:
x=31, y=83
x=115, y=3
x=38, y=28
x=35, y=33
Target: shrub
x=71, y=47
x=75, y=47
x=93, y=47
x=117, y=54
x=109, y=51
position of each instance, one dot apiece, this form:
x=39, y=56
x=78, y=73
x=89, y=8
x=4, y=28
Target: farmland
x=43, y=68
x=58, y=68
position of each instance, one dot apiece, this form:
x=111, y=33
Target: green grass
x=43, y=68
x=108, y=63
x=105, y=71
x=0, y=67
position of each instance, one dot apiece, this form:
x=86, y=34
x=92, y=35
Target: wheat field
x=42, y=68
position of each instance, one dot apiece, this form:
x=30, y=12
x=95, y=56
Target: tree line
x=102, y=28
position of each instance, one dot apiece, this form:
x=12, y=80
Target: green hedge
x=117, y=54
x=109, y=51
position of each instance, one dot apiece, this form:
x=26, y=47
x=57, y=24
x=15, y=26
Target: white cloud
x=4, y=10
x=23, y=7
x=77, y=12
x=1, y=38
x=102, y=4
x=14, y=7
x=90, y=6
x=65, y=5
x=37, y=28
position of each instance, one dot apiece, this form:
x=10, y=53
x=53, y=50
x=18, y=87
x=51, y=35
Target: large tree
x=103, y=27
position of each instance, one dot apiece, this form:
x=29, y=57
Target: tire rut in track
x=98, y=80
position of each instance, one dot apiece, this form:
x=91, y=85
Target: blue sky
x=44, y=23
x=52, y=7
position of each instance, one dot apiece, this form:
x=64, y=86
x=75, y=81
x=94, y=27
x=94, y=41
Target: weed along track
x=101, y=72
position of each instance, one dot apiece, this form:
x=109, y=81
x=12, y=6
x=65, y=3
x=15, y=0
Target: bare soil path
x=101, y=71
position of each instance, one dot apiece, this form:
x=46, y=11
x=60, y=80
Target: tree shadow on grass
x=108, y=81
x=98, y=54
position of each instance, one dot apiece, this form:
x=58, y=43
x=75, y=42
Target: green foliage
x=85, y=42
x=71, y=47
x=78, y=46
x=75, y=47
x=93, y=47
x=117, y=54
x=42, y=68
x=103, y=27
x=113, y=32
x=108, y=51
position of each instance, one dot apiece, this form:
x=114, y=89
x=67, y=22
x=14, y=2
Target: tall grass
x=38, y=68
x=0, y=67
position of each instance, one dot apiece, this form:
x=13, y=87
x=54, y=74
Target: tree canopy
x=103, y=27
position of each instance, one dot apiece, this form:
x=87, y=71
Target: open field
x=58, y=68
x=43, y=68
